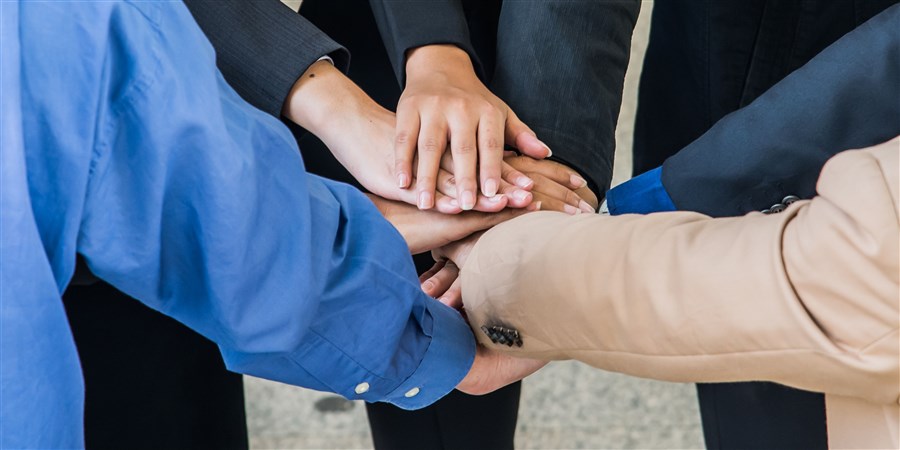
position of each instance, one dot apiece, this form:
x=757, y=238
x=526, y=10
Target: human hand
x=445, y=101
x=427, y=230
x=362, y=139
x=557, y=186
x=493, y=370
x=442, y=280
x=549, y=182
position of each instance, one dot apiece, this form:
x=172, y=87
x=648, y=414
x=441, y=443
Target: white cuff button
x=412, y=392
x=362, y=388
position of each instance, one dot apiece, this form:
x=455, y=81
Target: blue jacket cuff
x=642, y=194
x=447, y=361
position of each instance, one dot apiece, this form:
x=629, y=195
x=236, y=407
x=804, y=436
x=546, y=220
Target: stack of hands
x=438, y=169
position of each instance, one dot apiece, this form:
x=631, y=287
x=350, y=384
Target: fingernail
x=586, y=207
x=403, y=180
x=427, y=287
x=549, y=152
x=569, y=209
x=521, y=195
x=536, y=206
x=496, y=198
x=490, y=188
x=454, y=203
x=577, y=181
x=425, y=200
x=524, y=182
x=467, y=200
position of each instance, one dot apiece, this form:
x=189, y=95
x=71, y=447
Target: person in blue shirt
x=209, y=218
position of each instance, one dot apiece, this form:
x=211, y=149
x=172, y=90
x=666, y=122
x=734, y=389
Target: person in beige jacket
x=806, y=298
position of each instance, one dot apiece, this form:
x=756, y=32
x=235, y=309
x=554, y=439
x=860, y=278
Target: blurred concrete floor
x=566, y=405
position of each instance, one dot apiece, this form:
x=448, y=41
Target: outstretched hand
x=428, y=230
x=363, y=139
x=444, y=101
x=363, y=142
x=491, y=370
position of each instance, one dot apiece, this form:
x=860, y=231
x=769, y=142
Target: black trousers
x=706, y=59
x=151, y=382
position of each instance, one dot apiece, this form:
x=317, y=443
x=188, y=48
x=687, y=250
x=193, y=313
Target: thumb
x=522, y=138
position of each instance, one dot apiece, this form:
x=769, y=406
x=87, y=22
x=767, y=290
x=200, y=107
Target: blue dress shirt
x=121, y=142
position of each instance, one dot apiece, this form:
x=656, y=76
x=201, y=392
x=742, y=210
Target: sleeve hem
x=447, y=361
x=643, y=194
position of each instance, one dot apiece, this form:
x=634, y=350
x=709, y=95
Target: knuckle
x=430, y=145
x=467, y=183
x=457, y=103
x=487, y=109
x=493, y=144
x=465, y=148
x=402, y=138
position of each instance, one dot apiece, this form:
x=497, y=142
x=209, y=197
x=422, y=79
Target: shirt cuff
x=447, y=360
x=642, y=194
x=326, y=58
x=323, y=366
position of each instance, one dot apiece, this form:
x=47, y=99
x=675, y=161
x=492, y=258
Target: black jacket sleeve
x=263, y=46
x=561, y=67
x=847, y=97
x=407, y=24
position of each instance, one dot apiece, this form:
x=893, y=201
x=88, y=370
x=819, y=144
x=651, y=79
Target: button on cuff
x=411, y=393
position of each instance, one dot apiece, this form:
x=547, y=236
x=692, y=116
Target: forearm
x=682, y=297
x=328, y=104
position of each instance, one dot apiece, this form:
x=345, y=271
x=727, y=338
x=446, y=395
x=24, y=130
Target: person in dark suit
x=705, y=60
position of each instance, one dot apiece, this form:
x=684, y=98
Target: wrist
x=425, y=60
x=323, y=98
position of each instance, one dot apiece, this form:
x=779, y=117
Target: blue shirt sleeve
x=642, y=194
x=199, y=205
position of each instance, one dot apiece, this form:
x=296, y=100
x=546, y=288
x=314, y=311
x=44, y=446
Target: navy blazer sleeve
x=847, y=97
x=407, y=24
x=263, y=46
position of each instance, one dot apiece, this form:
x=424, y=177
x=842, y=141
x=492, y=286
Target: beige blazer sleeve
x=807, y=298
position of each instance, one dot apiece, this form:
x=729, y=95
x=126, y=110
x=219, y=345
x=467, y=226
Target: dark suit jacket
x=262, y=47
x=849, y=97
x=559, y=65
